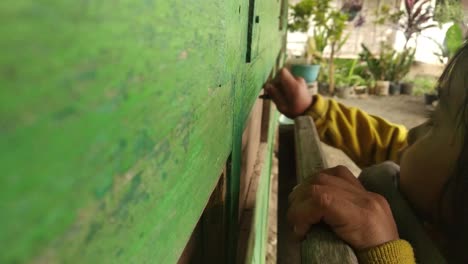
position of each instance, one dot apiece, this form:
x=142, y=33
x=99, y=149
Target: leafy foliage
x=452, y=42
x=453, y=39
x=424, y=85
x=448, y=11
x=377, y=65
x=400, y=64
x=418, y=13
x=300, y=15
x=348, y=77
x=389, y=65
x=412, y=21
x=329, y=25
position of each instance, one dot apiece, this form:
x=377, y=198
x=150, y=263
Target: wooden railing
x=321, y=244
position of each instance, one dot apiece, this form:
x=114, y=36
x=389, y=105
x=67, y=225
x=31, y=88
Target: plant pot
x=382, y=87
x=430, y=98
x=360, y=89
x=407, y=88
x=323, y=88
x=308, y=72
x=395, y=88
x=313, y=88
x=343, y=92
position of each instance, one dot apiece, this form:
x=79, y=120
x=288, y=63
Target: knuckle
x=376, y=202
x=321, y=197
x=379, y=199
x=325, y=200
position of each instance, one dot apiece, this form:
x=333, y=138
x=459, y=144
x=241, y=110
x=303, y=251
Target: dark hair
x=454, y=200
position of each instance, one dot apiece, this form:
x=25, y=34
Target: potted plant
x=343, y=89
x=426, y=85
x=399, y=67
x=412, y=20
x=346, y=82
x=328, y=29
x=431, y=97
x=407, y=87
x=394, y=88
x=309, y=67
x=370, y=83
x=378, y=66
x=323, y=82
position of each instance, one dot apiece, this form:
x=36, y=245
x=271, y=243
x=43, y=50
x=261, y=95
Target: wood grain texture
x=116, y=119
x=256, y=252
x=250, y=148
x=321, y=244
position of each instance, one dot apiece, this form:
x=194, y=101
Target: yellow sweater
x=367, y=140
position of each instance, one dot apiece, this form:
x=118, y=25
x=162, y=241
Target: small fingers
x=276, y=95
x=288, y=81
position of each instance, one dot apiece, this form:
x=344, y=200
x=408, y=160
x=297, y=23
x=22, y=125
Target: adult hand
x=289, y=93
x=363, y=219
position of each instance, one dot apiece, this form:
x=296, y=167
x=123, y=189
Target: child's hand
x=363, y=219
x=289, y=93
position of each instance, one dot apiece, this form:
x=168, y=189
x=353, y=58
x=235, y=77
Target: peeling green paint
x=116, y=118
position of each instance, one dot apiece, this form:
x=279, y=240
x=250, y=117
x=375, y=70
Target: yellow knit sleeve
x=394, y=252
x=366, y=139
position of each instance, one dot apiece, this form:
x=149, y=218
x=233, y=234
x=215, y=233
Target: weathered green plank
x=260, y=226
x=116, y=118
x=106, y=124
x=267, y=41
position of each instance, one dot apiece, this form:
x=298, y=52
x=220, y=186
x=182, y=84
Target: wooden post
x=321, y=244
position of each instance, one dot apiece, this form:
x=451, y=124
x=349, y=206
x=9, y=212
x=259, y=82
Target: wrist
x=305, y=106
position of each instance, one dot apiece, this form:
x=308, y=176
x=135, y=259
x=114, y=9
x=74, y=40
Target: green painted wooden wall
x=116, y=118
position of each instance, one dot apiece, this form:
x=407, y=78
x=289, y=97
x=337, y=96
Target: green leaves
x=400, y=64
x=389, y=65
x=348, y=77
x=448, y=11
x=453, y=39
x=301, y=13
x=412, y=20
